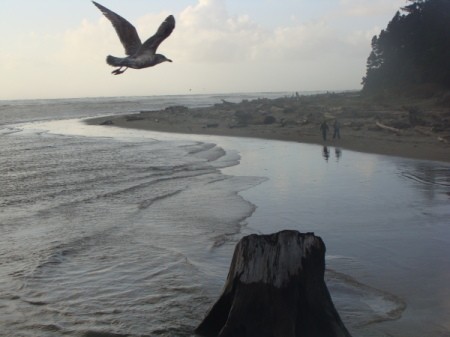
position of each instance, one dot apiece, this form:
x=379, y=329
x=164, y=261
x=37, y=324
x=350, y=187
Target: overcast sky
x=56, y=48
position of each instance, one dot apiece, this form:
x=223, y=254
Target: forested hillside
x=413, y=51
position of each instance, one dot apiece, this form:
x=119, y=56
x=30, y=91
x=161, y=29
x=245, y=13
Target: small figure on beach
x=140, y=55
x=336, y=129
x=324, y=128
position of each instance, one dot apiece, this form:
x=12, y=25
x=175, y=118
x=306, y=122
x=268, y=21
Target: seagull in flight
x=140, y=55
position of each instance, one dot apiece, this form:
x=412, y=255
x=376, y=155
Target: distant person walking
x=336, y=129
x=324, y=128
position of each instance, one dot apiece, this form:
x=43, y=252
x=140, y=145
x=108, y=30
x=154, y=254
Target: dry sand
x=417, y=129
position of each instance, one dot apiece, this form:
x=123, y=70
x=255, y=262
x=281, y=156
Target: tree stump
x=275, y=288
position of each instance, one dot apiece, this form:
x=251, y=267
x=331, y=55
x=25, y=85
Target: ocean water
x=119, y=232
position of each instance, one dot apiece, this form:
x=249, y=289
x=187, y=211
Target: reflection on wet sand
x=338, y=153
x=326, y=153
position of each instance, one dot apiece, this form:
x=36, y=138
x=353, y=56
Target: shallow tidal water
x=118, y=232
x=385, y=222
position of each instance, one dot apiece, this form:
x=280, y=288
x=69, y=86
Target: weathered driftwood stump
x=275, y=288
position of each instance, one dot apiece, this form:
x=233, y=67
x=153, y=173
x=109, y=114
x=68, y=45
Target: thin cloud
x=207, y=33
x=365, y=9
x=213, y=49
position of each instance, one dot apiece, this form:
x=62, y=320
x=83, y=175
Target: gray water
x=117, y=232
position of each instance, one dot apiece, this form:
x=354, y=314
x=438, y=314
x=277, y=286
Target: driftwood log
x=388, y=128
x=275, y=288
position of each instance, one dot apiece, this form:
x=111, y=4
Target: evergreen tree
x=413, y=50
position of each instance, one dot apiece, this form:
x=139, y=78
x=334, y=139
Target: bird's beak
x=168, y=60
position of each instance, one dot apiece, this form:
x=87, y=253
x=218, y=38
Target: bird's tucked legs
x=119, y=71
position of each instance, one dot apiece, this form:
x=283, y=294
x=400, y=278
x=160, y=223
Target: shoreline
x=366, y=126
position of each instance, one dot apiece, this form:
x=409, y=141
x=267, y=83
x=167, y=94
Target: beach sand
x=418, y=128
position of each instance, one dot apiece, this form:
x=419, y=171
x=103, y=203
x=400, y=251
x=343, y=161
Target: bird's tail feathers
x=115, y=61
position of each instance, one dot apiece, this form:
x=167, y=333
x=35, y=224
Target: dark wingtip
x=97, y=5
x=171, y=18
x=101, y=7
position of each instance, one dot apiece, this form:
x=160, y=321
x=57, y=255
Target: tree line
x=413, y=51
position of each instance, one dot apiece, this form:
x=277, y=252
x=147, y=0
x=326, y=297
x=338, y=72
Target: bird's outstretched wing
x=127, y=33
x=164, y=30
